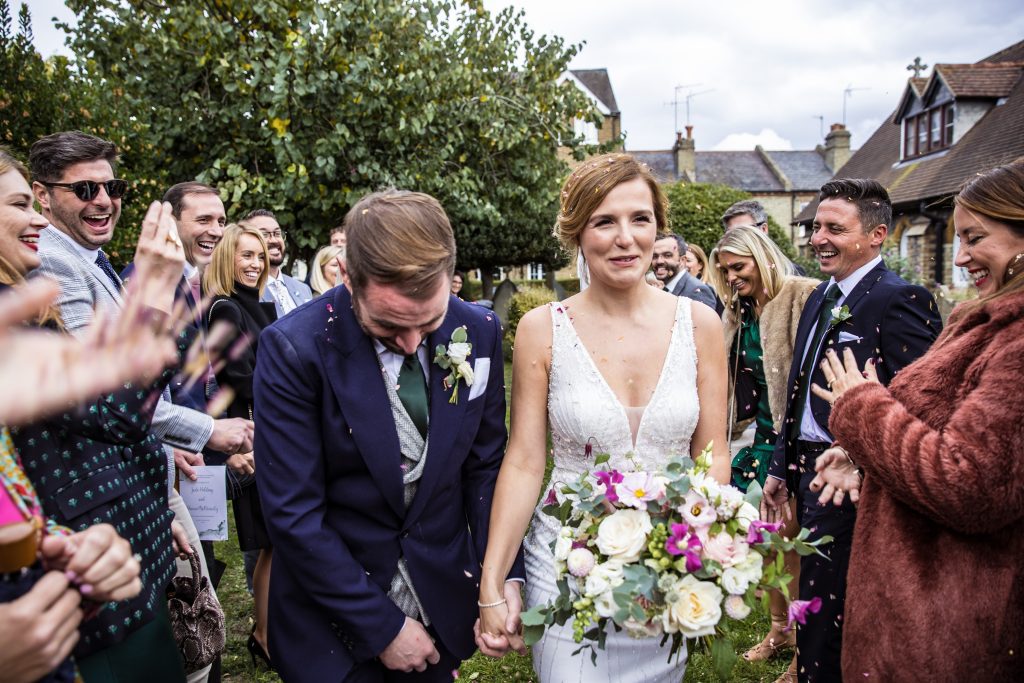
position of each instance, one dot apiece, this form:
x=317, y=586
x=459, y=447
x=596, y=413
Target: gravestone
x=502, y=298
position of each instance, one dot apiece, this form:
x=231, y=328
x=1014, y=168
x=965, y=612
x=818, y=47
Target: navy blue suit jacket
x=330, y=480
x=891, y=320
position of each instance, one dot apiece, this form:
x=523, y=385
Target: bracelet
x=846, y=453
x=484, y=605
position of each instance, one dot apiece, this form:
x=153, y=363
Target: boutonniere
x=839, y=314
x=453, y=358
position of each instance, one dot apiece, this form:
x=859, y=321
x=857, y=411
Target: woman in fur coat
x=934, y=590
x=763, y=301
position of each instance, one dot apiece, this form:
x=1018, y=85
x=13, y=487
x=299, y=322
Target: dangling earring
x=1012, y=268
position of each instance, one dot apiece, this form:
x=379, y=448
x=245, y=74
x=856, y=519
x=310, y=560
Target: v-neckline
x=634, y=440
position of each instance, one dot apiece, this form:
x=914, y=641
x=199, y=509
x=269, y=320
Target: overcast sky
x=766, y=70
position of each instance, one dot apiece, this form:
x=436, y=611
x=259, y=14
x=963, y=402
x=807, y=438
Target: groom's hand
x=500, y=629
x=411, y=650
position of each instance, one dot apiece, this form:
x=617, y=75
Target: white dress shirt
x=810, y=430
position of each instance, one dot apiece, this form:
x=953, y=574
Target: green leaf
x=536, y=616
x=601, y=458
x=532, y=634
x=459, y=335
x=723, y=657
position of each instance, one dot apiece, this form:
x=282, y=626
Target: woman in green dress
x=763, y=300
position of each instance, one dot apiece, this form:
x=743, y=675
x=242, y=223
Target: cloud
x=767, y=138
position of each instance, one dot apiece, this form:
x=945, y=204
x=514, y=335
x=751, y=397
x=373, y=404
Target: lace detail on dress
x=582, y=408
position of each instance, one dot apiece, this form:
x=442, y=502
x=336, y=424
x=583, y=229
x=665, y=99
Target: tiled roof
x=742, y=170
x=980, y=80
x=806, y=170
x=661, y=162
x=597, y=82
x=918, y=84
x=1014, y=53
x=996, y=139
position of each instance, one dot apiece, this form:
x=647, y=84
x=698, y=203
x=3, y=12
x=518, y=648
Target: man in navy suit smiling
x=866, y=308
x=375, y=469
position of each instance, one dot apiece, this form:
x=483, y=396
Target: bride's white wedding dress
x=582, y=408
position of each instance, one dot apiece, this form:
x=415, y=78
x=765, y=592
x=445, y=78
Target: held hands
x=98, y=560
x=775, y=501
x=836, y=476
x=232, y=435
x=842, y=376
x=411, y=650
x=499, y=628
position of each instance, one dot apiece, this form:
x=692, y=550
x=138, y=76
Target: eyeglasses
x=277, y=234
x=87, y=190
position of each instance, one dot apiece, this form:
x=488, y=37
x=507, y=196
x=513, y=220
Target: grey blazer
x=84, y=289
x=692, y=288
x=300, y=291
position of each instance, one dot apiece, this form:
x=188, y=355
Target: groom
x=376, y=478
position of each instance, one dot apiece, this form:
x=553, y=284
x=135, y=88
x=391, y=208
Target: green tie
x=824, y=317
x=412, y=391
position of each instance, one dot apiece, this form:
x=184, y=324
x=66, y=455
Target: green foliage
x=303, y=106
x=695, y=211
x=522, y=302
x=901, y=266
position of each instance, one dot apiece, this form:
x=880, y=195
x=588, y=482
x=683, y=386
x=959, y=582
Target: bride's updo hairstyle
x=588, y=186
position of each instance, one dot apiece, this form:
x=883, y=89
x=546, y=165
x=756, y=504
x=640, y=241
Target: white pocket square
x=481, y=372
x=846, y=337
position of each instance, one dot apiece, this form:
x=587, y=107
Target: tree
x=304, y=106
x=695, y=211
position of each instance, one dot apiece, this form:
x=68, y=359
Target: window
x=535, y=271
x=929, y=131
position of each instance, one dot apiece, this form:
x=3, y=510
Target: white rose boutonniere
x=840, y=314
x=454, y=359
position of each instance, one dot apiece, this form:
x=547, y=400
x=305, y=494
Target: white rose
x=580, y=562
x=736, y=607
x=563, y=544
x=731, y=499
x=734, y=582
x=603, y=577
x=746, y=514
x=465, y=372
x=458, y=352
x=623, y=534
x=692, y=607
x=604, y=605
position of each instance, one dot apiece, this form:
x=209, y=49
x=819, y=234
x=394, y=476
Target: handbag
x=197, y=619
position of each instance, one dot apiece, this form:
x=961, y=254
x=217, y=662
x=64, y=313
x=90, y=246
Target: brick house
x=784, y=181
x=960, y=120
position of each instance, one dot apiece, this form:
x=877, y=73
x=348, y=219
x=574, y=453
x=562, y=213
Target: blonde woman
x=325, y=268
x=236, y=278
x=763, y=301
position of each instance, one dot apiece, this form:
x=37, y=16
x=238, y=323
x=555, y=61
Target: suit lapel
x=445, y=417
x=864, y=286
x=351, y=367
x=812, y=309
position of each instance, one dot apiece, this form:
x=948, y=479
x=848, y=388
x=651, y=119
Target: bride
x=623, y=367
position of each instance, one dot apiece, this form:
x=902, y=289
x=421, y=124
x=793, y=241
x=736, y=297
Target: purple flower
x=798, y=610
x=609, y=479
x=552, y=499
x=682, y=542
x=757, y=529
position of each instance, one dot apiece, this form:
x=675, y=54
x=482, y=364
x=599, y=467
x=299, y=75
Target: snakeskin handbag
x=197, y=619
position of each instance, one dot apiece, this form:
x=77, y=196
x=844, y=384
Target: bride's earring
x=1014, y=265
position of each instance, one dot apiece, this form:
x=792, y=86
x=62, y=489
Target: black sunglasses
x=86, y=190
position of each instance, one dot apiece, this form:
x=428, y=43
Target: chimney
x=837, y=147
x=685, y=156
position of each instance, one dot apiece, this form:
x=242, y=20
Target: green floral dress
x=751, y=462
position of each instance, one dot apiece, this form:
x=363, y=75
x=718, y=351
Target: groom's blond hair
x=396, y=237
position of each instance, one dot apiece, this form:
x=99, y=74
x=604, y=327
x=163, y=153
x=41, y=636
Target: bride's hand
x=498, y=629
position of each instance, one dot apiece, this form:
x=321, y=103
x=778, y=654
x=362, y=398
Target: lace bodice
x=582, y=407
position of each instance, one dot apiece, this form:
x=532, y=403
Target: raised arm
x=964, y=475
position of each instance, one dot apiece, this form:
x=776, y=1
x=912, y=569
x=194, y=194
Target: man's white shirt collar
x=853, y=279
x=392, y=361
x=671, y=284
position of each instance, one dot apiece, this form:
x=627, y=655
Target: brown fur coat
x=779, y=321
x=935, y=585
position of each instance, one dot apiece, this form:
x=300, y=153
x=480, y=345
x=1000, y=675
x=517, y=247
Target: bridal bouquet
x=670, y=554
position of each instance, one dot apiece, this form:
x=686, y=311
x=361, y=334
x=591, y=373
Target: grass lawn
x=238, y=610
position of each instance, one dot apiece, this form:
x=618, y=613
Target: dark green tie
x=412, y=391
x=824, y=318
